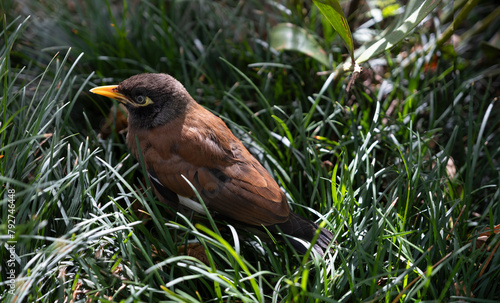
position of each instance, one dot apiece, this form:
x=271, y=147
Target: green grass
x=403, y=170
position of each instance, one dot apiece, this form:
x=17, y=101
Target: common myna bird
x=179, y=140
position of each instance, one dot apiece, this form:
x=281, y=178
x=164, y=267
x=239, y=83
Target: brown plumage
x=180, y=139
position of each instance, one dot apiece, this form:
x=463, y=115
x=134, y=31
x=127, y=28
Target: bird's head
x=151, y=99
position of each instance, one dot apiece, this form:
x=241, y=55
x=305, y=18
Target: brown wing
x=228, y=178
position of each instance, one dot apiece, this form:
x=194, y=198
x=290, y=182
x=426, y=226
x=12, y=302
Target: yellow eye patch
x=142, y=101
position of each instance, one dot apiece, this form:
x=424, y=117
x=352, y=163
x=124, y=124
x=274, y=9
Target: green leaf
x=286, y=36
x=333, y=12
x=393, y=37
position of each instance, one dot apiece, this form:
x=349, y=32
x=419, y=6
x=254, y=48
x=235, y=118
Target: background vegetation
x=404, y=169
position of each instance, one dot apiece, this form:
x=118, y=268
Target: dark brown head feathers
x=169, y=99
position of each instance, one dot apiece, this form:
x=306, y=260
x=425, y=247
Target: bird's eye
x=140, y=99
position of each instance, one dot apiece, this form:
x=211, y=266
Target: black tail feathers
x=305, y=230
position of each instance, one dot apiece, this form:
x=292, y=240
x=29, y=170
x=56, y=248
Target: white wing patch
x=189, y=203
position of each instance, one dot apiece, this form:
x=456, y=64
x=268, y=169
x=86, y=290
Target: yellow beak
x=110, y=92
